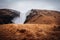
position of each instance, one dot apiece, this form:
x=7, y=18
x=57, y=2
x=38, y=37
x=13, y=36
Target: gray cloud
x=6, y=3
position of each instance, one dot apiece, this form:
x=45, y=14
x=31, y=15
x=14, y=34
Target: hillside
x=37, y=16
x=29, y=32
x=39, y=25
x=7, y=15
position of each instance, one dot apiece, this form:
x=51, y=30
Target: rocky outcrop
x=6, y=15
x=37, y=16
x=29, y=32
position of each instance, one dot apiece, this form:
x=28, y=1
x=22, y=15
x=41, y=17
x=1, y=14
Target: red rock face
x=6, y=15
x=43, y=17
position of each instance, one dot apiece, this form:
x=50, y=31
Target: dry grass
x=43, y=17
x=29, y=32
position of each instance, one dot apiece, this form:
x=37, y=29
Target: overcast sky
x=25, y=5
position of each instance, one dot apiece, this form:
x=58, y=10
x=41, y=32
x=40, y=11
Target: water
x=24, y=6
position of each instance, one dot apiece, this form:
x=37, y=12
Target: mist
x=24, y=5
